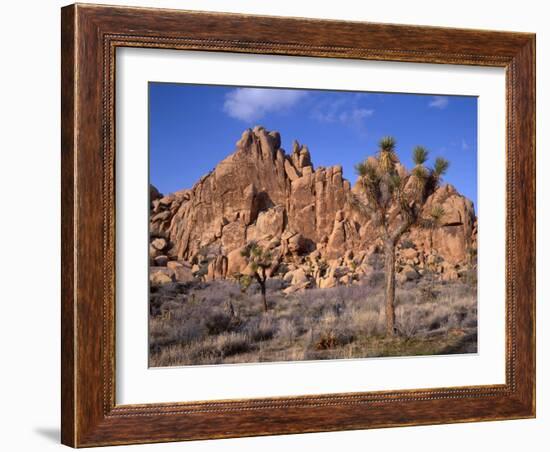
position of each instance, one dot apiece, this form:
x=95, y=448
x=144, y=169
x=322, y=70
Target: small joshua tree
x=259, y=260
x=394, y=201
x=353, y=267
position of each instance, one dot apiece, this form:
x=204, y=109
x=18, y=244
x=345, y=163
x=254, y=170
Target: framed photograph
x=283, y=225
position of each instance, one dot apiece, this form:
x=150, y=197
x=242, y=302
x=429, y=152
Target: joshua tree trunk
x=261, y=278
x=390, y=288
x=264, y=299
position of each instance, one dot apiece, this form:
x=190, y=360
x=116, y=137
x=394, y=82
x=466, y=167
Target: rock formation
x=303, y=214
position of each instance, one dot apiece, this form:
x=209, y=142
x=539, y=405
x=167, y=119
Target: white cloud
x=251, y=104
x=354, y=116
x=465, y=146
x=329, y=110
x=439, y=102
x=345, y=110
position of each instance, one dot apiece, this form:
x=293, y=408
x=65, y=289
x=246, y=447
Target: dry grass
x=214, y=323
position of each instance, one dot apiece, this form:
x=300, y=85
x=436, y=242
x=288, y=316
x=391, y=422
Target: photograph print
x=297, y=225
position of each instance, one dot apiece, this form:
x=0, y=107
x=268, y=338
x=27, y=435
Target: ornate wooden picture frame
x=90, y=37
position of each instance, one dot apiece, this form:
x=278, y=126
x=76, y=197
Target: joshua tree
x=259, y=260
x=202, y=271
x=394, y=201
x=352, y=272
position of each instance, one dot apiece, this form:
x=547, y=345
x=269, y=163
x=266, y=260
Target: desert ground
x=214, y=322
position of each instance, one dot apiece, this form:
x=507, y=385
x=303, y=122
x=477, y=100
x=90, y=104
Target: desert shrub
x=213, y=350
x=376, y=261
x=171, y=289
x=461, y=290
x=407, y=321
x=287, y=331
x=220, y=322
x=331, y=339
x=326, y=297
x=458, y=316
x=253, y=288
x=469, y=277
x=326, y=341
x=313, y=302
x=333, y=333
x=262, y=329
x=408, y=287
x=471, y=320
x=191, y=332
x=405, y=244
x=232, y=344
x=202, y=271
x=344, y=335
x=406, y=296
x=375, y=279
x=168, y=332
x=436, y=322
x=215, y=293
x=364, y=321
x=281, y=270
x=164, y=306
x=427, y=294
x=297, y=316
x=276, y=284
x=155, y=303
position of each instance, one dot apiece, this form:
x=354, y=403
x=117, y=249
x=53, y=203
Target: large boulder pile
x=301, y=213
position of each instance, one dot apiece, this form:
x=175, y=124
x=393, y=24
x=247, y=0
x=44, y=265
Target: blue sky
x=193, y=127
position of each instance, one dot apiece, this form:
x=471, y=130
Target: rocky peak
x=300, y=156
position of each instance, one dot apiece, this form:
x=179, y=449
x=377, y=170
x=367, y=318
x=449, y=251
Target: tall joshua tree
x=259, y=260
x=394, y=201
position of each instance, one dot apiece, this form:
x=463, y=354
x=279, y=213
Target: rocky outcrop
x=301, y=213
